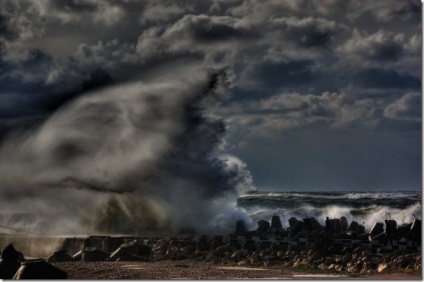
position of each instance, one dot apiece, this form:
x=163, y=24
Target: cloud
x=294, y=112
x=380, y=47
x=98, y=12
x=381, y=78
x=162, y=11
x=408, y=108
x=409, y=10
x=307, y=32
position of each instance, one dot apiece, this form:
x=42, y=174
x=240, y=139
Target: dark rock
x=263, y=227
x=292, y=222
x=403, y=231
x=337, y=225
x=295, y=229
x=344, y=223
x=250, y=245
x=353, y=227
x=276, y=222
x=391, y=226
x=364, y=236
x=9, y=253
x=62, y=255
x=381, y=236
x=9, y=262
x=93, y=254
x=39, y=270
x=316, y=225
x=221, y=250
x=240, y=228
x=416, y=231
x=203, y=244
x=377, y=229
x=8, y=268
x=78, y=255
x=217, y=241
x=131, y=248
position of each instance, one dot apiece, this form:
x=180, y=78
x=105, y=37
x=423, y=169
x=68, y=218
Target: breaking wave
x=364, y=207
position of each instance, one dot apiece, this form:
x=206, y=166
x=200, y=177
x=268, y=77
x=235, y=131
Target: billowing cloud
x=381, y=46
x=286, y=112
x=299, y=68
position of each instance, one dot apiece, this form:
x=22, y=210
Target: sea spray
x=365, y=208
x=127, y=158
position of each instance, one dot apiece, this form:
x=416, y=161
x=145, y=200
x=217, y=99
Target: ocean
x=366, y=208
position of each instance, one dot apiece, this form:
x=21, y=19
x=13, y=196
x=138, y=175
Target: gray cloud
x=308, y=32
x=303, y=70
x=381, y=47
x=408, y=107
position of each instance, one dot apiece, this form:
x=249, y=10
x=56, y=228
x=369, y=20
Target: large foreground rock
x=8, y=262
x=39, y=270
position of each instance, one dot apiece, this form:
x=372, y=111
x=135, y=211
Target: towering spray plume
x=127, y=158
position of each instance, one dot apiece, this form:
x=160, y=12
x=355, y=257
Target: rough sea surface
x=363, y=207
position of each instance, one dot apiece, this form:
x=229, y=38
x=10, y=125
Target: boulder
x=391, y=226
x=9, y=262
x=377, y=229
x=131, y=248
x=78, y=255
x=316, y=225
x=62, y=255
x=9, y=253
x=240, y=228
x=292, y=222
x=93, y=254
x=276, y=222
x=403, y=231
x=295, y=229
x=416, y=231
x=381, y=236
x=221, y=250
x=39, y=270
x=353, y=227
x=344, y=223
x=263, y=227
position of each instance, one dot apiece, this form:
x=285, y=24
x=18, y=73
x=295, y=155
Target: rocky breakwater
x=336, y=246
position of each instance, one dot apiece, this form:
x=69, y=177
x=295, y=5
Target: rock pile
x=337, y=246
x=14, y=266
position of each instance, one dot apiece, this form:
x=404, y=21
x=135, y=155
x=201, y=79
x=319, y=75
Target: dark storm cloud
x=307, y=32
x=5, y=31
x=381, y=78
x=74, y=6
x=381, y=46
x=341, y=66
x=287, y=74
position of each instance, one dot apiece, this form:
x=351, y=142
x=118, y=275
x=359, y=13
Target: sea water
x=366, y=208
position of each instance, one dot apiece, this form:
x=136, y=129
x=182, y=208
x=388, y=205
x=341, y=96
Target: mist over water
x=128, y=158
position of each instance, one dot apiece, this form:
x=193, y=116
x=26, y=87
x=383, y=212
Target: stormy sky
x=327, y=93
